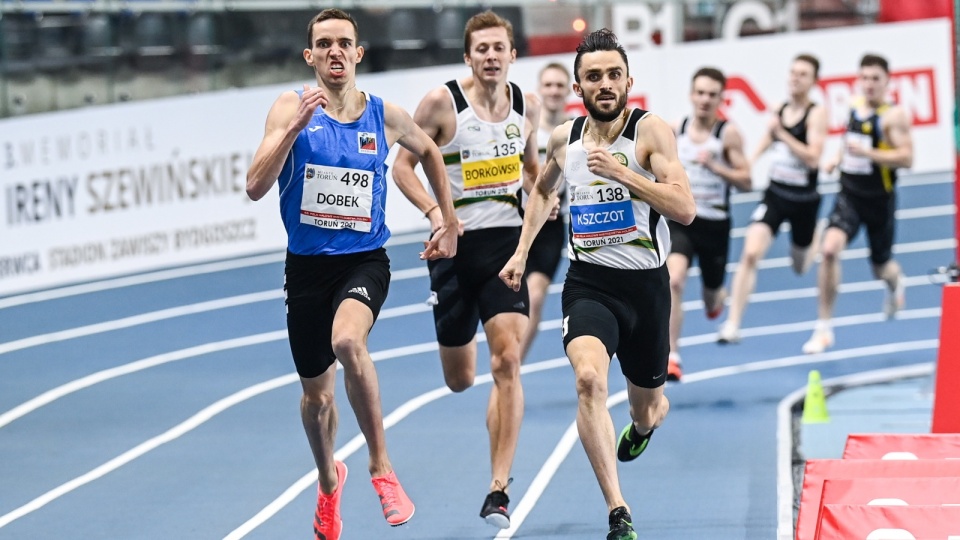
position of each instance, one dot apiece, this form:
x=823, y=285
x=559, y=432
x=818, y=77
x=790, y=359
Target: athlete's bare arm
x=531, y=151
x=436, y=118
x=834, y=161
x=540, y=206
x=656, y=151
x=766, y=139
x=811, y=151
x=738, y=173
x=288, y=116
x=896, y=128
x=403, y=130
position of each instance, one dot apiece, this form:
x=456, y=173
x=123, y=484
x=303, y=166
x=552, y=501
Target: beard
x=602, y=116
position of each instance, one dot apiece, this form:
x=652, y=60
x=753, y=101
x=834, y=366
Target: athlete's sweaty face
x=554, y=89
x=490, y=54
x=604, y=84
x=801, y=78
x=706, y=94
x=873, y=84
x=335, y=53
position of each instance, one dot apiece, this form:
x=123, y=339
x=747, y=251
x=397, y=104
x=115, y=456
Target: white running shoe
x=896, y=299
x=728, y=333
x=821, y=340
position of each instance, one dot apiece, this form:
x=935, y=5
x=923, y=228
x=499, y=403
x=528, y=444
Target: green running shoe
x=631, y=443
x=621, y=525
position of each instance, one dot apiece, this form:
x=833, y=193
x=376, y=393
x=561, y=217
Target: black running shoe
x=621, y=525
x=631, y=443
x=494, y=509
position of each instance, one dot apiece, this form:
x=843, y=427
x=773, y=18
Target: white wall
x=111, y=190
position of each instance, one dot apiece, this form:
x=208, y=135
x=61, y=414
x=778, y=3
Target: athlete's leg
x=459, y=365
x=755, y=246
x=880, y=235
x=828, y=281
x=713, y=299
x=318, y=412
x=648, y=407
x=591, y=366
x=890, y=272
x=537, y=284
x=678, y=265
x=828, y=277
x=713, y=253
x=351, y=326
x=801, y=258
x=505, y=408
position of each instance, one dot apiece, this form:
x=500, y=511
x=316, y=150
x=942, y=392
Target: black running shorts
x=314, y=286
x=627, y=310
x=802, y=215
x=547, y=248
x=468, y=289
x=877, y=213
x=707, y=240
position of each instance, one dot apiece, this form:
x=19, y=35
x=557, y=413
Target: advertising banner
x=104, y=191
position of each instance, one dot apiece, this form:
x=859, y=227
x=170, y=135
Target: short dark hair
x=711, y=73
x=812, y=60
x=327, y=14
x=554, y=65
x=482, y=21
x=875, y=60
x=598, y=40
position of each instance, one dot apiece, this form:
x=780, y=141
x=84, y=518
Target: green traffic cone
x=815, y=403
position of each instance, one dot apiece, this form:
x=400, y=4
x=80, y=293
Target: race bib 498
x=337, y=198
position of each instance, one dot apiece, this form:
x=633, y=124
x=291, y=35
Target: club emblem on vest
x=512, y=131
x=367, y=142
x=621, y=157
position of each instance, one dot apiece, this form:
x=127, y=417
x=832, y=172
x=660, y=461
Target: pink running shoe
x=326, y=522
x=397, y=507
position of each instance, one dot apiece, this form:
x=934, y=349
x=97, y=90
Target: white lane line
x=811, y=292
x=214, y=409
x=173, y=433
x=95, y=378
x=411, y=238
x=846, y=255
x=829, y=186
x=785, y=487
x=927, y=211
x=837, y=322
x=140, y=279
x=143, y=318
x=420, y=307
x=174, y=273
x=171, y=313
x=111, y=373
x=560, y=453
x=252, y=391
x=357, y=442
x=907, y=213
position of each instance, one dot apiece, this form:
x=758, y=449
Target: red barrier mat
x=818, y=470
x=913, y=446
x=889, y=491
x=858, y=522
